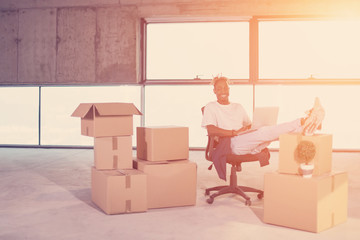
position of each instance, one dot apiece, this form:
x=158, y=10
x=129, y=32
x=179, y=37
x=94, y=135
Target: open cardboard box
x=106, y=119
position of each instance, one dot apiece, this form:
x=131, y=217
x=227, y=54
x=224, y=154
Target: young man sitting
x=226, y=119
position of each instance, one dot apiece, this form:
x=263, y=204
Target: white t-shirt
x=230, y=117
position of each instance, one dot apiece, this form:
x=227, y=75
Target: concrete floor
x=45, y=194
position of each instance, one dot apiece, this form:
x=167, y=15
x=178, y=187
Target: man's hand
x=242, y=129
x=216, y=131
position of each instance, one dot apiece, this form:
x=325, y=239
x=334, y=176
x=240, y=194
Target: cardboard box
x=106, y=119
x=113, y=152
x=312, y=204
x=162, y=143
x=170, y=183
x=287, y=153
x=119, y=191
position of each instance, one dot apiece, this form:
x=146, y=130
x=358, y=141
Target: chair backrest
x=211, y=143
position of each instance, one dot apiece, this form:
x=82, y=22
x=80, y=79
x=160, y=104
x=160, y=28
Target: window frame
x=253, y=66
x=296, y=81
x=143, y=47
x=253, y=50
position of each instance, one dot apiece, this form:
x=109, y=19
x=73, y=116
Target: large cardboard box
x=113, y=152
x=310, y=204
x=119, y=191
x=106, y=119
x=162, y=143
x=169, y=183
x=287, y=153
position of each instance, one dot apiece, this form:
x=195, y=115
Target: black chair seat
x=236, y=161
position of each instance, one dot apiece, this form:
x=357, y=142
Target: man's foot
x=315, y=117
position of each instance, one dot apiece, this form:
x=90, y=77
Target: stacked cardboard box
x=162, y=154
x=160, y=176
x=310, y=204
x=115, y=186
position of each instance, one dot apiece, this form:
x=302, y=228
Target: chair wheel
x=210, y=200
x=260, y=195
x=248, y=202
x=207, y=192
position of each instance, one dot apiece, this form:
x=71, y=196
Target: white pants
x=254, y=142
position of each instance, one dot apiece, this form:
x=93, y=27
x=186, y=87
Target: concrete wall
x=69, y=45
x=97, y=41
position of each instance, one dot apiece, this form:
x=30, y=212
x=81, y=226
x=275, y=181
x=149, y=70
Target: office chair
x=235, y=161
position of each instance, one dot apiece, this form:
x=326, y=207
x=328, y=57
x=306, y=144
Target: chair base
x=233, y=188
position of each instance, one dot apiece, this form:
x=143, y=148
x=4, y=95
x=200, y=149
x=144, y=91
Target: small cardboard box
x=170, y=183
x=162, y=143
x=106, y=119
x=119, y=191
x=310, y=204
x=287, y=153
x=113, y=152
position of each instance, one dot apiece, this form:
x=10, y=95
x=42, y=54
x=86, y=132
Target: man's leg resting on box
x=254, y=142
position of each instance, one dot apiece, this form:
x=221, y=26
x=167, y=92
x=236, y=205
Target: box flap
x=162, y=127
x=128, y=172
x=114, y=109
x=146, y=162
x=82, y=110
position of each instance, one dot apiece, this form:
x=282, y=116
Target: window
x=19, y=115
x=181, y=105
x=197, y=50
x=309, y=49
x=58, y=103
x=341, y=119
x=288, y=50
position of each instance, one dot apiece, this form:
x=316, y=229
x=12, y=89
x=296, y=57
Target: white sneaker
x=315, y=118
